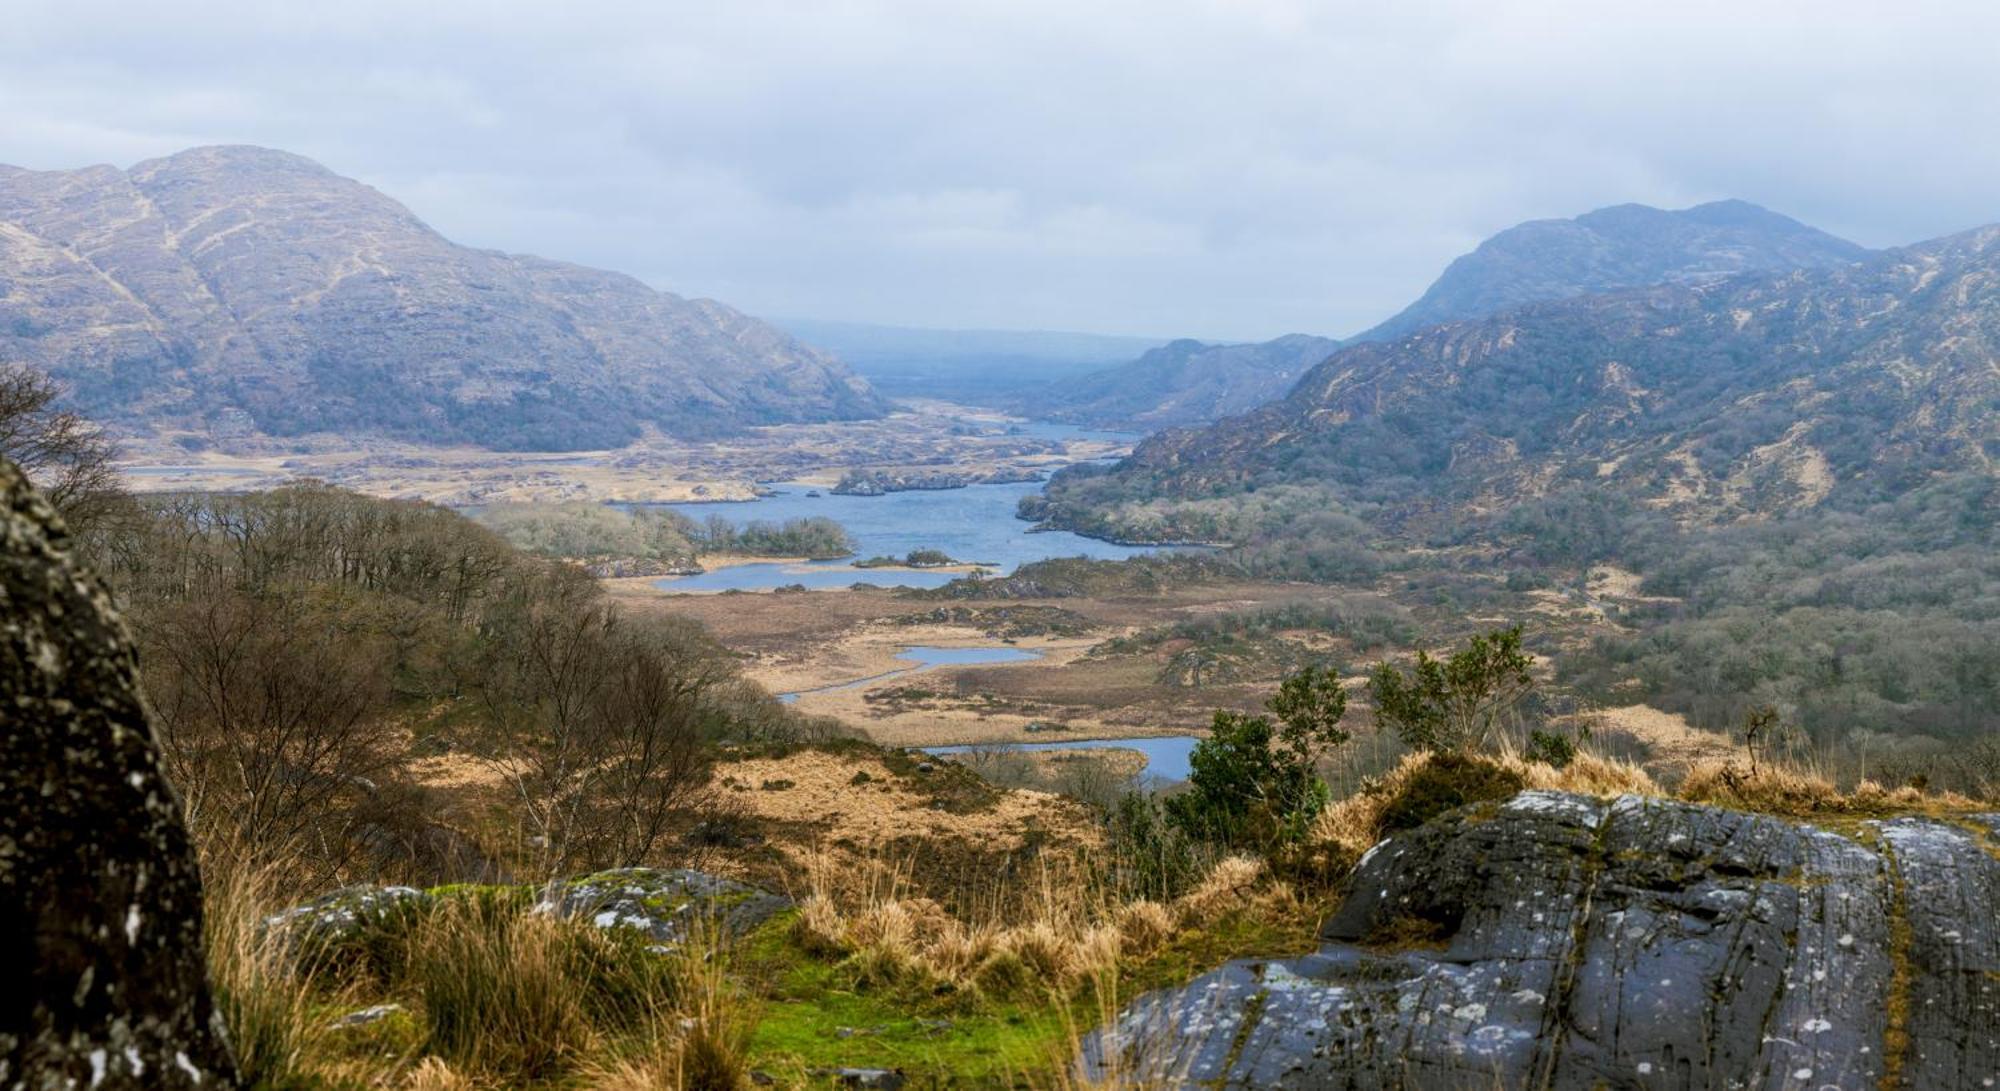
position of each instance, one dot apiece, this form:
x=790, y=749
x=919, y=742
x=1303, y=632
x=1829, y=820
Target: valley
x=919, y=435
x=526, y=676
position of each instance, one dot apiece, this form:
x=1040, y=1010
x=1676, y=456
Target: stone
x=1560, y=941
x=372, y=1014
x=662, y=903
x=346, y=914
x=100, y=898
x=886, y=1079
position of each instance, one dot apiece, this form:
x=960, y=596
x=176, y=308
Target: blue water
x=975, y=524
x=1166, y=756
x=930, y=656
x=925, y=657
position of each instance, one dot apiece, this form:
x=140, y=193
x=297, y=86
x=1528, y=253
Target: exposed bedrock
x=1559, y=941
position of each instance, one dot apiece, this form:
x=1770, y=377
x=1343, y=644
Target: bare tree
x=273, y=723
x=603, y=722
x=61, y=451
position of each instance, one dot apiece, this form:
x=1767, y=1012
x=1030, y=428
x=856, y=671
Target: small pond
x=924, y=657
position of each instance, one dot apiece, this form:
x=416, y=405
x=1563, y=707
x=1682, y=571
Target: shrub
x=1254, y=781
x=1450, y=704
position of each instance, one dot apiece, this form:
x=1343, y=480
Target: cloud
x=1220, y=169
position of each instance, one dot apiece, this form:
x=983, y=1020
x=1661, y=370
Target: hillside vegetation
x=1800, y=468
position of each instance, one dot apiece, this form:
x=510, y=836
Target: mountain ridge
x=1717, y=400
x=1615, y=248
x=235, y=289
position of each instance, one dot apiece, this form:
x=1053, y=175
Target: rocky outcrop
x=662, y=905
x=1559, y=941
x=100, y=901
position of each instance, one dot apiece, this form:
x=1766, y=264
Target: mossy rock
x=1446, y=783
x=662, y=904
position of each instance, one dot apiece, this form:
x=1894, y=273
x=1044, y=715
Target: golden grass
x=1352, y=824
x=1229, y=884
x=276, y=1012
x=1062, y=940
x=1805, y=793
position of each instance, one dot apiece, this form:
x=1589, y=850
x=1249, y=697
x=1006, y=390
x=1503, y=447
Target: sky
x=1225, y=170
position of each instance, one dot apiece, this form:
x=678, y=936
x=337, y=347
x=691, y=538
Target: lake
x=973, y=524
x=1166, y=756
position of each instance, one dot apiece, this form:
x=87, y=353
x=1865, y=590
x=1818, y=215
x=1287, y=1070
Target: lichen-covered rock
x=100, y=901
x=346, y=914
x=1558, y=941
x=661, y=903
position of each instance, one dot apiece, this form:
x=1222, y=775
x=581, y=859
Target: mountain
x=1183, y=382
x=1625, y=246
x=980, y=367
x=239, y=289
x=1714, y=401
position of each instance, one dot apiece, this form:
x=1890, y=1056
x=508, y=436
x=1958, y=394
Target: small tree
x=65, y=455
x=1255, y=780
x=1761, y=729
x=1454, y=703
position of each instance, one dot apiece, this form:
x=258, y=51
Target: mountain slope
x=1625, y=246
x=1185, y=382
x=242, y=289
x=1713, y=401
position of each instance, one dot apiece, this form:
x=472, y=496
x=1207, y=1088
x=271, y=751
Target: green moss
x=1447, y=782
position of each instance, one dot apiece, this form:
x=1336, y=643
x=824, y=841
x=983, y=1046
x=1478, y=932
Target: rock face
x=100, y=901
x=1558, y=941
x=235, y=289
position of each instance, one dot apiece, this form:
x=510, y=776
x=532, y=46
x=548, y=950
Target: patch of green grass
x=962, y=1038
x=805, y=1001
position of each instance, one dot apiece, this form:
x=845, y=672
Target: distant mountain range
x=1182, y=382
x=1714, y=400
x=979, y=367
x=1626, y=246
x=242, y=290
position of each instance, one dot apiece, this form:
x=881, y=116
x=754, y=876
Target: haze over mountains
x=1714, y=400
x=984, y=367
x=1182, y=382
x=1625, y=246
x=238, y=289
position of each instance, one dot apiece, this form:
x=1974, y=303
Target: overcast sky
x=1234, y=169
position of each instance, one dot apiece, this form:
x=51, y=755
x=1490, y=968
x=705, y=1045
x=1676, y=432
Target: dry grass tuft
x=1143, y=926
x=433, y=1074
x=499, y=989
x=1054, y=939
x=1353, y=824
x=1804, y=793
x=1230, y=884
x=276, y=1012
